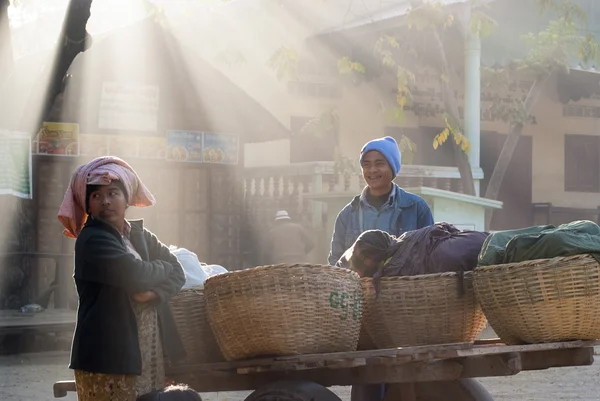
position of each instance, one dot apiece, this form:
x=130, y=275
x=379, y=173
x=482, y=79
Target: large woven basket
x=365, y=342
x=191, y=319
x=422, y=310
x=285, y=310
x=542, y=300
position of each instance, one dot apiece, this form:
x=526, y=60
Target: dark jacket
x=106, y=275
x=403, y=212
x=288, y=242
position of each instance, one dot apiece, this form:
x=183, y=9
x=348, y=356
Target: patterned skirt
x=153, y=368
x=103, y=387
x=107, y=387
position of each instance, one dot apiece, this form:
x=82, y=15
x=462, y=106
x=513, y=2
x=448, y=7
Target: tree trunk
x=6, y=51
x=493, y=188
x=73, y=40
x=451, y=106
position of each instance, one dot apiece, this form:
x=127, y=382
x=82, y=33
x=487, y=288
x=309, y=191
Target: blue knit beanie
x=388, y=147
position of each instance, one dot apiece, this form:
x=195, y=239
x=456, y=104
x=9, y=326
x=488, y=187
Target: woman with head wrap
x=124, y=277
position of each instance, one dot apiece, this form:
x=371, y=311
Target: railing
x=270, y=188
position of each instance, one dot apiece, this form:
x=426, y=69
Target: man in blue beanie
x=382, y=205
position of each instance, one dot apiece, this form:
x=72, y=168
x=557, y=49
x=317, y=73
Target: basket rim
x=283, y=267
x=532, y=263
x=187, y=291
x=432, y=276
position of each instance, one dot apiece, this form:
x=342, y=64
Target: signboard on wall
x=15, y=164
x=220, y=148
x=58, y=139
x=184, y=146
x=129, y=107
x=205, y=147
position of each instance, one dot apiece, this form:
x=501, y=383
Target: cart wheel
x=293, y=391
x=457, y=390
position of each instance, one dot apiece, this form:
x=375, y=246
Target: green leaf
x=284, y=62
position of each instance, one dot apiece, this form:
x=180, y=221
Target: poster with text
x=220, y=148
x=129, y=107
x=15, y=164
x=58, y=139
x=184, y=146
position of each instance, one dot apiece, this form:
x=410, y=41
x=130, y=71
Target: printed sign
x=184, y=146
x=15, y=164
x=60, y=139
x=220, y=148
x=129, y=107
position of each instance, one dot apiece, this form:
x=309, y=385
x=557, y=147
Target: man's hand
x=146, y=296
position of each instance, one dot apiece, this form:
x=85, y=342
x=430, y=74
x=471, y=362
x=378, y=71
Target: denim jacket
x=402, y=212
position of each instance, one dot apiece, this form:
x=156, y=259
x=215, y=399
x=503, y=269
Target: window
x=582, y=163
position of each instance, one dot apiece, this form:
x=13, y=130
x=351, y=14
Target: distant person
x=287, y=242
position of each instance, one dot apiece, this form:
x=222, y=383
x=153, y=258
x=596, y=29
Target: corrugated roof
x=386, y=14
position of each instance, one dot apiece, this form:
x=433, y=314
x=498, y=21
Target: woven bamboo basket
x=365, y=342
x=191, y=319
x=285, y=310
x=422, y=310
x=542, y=300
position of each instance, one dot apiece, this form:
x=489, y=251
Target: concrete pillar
x=472, y=117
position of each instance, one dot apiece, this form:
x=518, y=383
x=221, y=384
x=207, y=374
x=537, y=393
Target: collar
x=130, y=226
x=398, y=197
x=391, y=198
x=133, y=225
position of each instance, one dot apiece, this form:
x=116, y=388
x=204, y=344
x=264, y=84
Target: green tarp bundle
x=541, y=242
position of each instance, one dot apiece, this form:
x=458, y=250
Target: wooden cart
x=431, y=373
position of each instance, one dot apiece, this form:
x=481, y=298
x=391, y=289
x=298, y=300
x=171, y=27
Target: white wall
x=273, y=153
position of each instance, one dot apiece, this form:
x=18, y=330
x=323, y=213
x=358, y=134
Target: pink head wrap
x=100, y=171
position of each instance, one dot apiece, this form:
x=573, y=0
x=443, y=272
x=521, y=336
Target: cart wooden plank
x=283, y=362
x=49, y=320
x=393, y=356
x=399, y=365
x=435, y=370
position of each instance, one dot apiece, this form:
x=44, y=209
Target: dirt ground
x=29, y=377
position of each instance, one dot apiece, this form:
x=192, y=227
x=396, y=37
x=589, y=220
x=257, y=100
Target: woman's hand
x=145, y=296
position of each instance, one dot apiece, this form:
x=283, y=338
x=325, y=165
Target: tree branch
x=508, y=149
x=6, y=51
x=73, y=40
